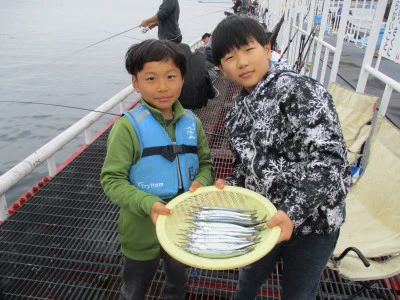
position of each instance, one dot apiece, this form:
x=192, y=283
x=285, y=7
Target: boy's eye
x=228, y=57
x=150, y=78
x=249, y=49
x=171, y=76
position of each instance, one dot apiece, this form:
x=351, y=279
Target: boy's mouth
x=246, y=74
x=164, y=98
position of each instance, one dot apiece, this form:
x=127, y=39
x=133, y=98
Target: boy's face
x=247, y=65
x=206, y=39
x=160, y=84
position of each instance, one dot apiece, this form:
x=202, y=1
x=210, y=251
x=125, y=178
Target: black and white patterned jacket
x=288, y=146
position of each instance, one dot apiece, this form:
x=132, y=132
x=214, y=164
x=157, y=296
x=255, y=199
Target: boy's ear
x=135, y=84
x=268, y=51
x=221, y=69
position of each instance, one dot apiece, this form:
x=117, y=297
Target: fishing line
x=59, y=105
x=85, y=109
x=214, y=12
x=97, y=43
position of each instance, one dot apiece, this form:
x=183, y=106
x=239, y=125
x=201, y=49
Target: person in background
x=288, y=146
x=256, y=9
x=237, y=5
x=142, y=170
x=167, y=20
x=207, y=41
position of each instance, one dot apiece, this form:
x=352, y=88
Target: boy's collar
x=177, y=109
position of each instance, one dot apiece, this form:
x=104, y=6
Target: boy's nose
x=162, y=85
x=241, y=61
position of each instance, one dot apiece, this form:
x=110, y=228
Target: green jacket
x=137, y=234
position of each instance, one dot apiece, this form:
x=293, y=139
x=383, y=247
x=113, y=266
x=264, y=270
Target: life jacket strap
x=170, y=151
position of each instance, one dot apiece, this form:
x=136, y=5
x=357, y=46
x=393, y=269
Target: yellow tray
x=169, y=227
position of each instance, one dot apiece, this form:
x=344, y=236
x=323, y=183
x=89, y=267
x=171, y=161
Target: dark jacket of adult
x=168, y=20
x=197, y=88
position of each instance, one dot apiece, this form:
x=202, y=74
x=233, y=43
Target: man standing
x=167, y=20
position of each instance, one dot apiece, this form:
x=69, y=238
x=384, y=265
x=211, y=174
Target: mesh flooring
x=63, y=242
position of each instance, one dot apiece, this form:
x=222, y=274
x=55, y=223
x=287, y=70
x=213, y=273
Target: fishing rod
x=58, y=105
x=300, y=56
x=125, y=36
x=120, y=33
x=275, y=32
x=97, y=43
x=297, y=30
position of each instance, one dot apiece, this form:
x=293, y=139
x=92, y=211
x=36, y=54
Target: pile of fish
x=221, y=232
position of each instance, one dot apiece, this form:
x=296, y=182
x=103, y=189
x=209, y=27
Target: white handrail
x=45, y=153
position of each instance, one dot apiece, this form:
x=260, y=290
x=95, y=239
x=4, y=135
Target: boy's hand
x=282, y=220
x=220, y=183
x=194, y=186
x=159, y=208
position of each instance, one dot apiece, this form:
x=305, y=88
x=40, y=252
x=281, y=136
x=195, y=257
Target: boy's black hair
x=233, y=32
x=153, y=50
x=205, y=35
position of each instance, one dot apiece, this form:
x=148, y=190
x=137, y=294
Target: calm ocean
x=36, y=65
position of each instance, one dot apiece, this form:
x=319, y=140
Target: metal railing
x=304, y=13
x=47, y=152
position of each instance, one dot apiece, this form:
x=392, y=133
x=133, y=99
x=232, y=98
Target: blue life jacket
x=164, y=166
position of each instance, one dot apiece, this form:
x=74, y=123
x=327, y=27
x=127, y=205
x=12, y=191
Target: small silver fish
x=226, y=208
x=219, y=254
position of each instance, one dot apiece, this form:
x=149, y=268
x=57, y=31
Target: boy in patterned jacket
x=288, y=145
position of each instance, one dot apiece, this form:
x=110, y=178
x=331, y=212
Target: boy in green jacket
x=155, y=151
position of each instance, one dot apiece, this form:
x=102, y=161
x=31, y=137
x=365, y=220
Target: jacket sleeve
x=206, y=171
x=311, y=112
x=165, y=9
x=123, y=149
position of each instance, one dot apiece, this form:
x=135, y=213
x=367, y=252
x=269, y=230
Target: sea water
x=42, y=61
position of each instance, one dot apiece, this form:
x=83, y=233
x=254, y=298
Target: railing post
x=372, y=40
x=340, y=38
x=3, y=208
x=121, y=107
x=385, y=100
x=52, y=166
x=88, y=136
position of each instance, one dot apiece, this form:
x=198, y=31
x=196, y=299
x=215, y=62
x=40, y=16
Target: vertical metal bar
x=324, y=64
x=372, y=40
x=88, y=136
x=378, y=62
x=340, y=38
x=3, y=208
x=385, y=100
x=51, y=166
x=122, y=107
x=321, y=35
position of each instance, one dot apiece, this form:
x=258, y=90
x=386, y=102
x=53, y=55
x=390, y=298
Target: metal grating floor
x=63, y=242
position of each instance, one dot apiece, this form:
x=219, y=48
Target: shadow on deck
x=63, y=242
